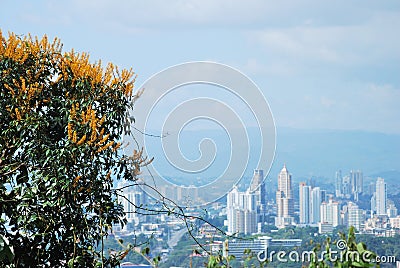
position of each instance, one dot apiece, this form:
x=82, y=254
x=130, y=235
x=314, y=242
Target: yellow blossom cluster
x=88, y=117
x=19, y=49
x=82, y=68
x=23, y=94
x=48, y=66
x=25, y=89
x=70, y=65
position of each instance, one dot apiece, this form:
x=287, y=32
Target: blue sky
x=320, y=64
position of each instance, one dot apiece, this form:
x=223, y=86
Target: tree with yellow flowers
x=61, y=122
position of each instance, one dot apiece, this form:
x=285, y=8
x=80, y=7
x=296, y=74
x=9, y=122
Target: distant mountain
x=323, y=152
x=307, y=153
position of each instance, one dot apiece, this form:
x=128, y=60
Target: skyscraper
x=315, y=205
x=357, y=181
x=338, y=183
x=346, y=186
x=257, y=187
x=241, y=212
x=232, y=204
x=381, y=197
x=284, y=199
x=131, y=198
x=324, y=196
x=373, y=204
x=330, y=213
x=257, y=180
x=305, y=200
x=355, y=216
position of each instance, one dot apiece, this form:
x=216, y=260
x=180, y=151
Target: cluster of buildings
x=132, y=197
x=349, y=186
x=318, y=208
x=246, y=211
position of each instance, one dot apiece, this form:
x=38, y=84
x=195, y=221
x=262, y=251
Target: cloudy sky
x=320, y=64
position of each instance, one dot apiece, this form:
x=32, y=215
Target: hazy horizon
x=306, y=152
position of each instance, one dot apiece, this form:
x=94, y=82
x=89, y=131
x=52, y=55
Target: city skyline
x=315, y=206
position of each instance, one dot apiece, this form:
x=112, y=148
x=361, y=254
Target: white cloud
x=321, y=64
x=371, y=107
x=251, y=14
x=354, y=44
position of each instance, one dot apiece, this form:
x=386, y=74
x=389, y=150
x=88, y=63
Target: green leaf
x=71, y=263
x=361, y=247
x=358, y=264
x=6, y=252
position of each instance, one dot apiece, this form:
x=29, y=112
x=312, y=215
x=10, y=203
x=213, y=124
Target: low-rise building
x=395, y=222
x=237, y=247
x=325, y=228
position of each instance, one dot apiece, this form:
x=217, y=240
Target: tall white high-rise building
x=284, y=199
x=330, y=213
x=381, y=197
x=131, y=198
x=305, y=203
x=315, y=205
x=232, y=206
x=355, y=216
x=241, y=212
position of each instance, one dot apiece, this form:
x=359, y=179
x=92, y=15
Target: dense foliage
x=61, y=122
x=325, y=247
